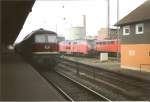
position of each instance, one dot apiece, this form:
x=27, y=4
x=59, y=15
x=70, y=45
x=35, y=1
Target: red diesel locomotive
x=77, y=47
x=65, y=47
x=89, y=47
x=107, y=46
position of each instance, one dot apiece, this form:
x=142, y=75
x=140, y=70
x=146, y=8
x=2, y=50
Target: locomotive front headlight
x=47, y=47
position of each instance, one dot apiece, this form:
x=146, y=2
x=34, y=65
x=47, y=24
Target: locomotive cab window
x=40, y=39
x=45, y=38
x=52, y=39
x=74, y=42
x=109, y=42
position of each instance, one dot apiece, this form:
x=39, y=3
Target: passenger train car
x=40, y=45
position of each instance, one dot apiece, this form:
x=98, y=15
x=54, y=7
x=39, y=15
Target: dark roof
x=43, y=31
x=14, y=14
x=142, y=13
x=39, y=31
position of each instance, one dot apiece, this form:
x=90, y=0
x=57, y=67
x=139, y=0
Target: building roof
x=13, y=14
x=142, y=13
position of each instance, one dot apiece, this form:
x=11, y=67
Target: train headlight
x=47, y=47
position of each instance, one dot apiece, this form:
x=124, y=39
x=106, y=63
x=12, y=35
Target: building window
x=126, y=30
x=131, y=52
x=139, y=28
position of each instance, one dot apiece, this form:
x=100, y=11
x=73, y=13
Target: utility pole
x=56, y=28
x=108, y=15
x=118, y=35
x=84, y=24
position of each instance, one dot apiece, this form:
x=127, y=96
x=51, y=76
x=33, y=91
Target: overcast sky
x=50, y=14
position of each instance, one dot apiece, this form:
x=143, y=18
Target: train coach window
x=68, y=43
x=104, y=42
x=91, y=42
x=52, y=39
x=98, y=42
x=39, y=38
x=110, y=42
x=74, y=42
x=101, y=43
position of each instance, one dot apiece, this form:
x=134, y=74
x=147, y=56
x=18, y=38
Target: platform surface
x=111, y=65
x=21, y=82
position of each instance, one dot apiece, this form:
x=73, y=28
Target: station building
x=135, y=38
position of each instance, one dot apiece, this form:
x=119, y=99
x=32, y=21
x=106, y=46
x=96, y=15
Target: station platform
x=21, y=82
x=111, y=65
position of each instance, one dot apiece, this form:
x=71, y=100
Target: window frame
x=49, y=40
x=131, y=53
x=126, y=27
x=137, y=26
x=36, y=38
x=46, y=38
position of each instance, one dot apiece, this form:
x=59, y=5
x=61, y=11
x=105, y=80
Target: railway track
x=134, y=88
x=71, y=89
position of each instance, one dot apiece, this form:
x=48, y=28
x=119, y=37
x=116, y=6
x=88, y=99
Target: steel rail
x=100, y=95
x=59, y=89
x=70, y=98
